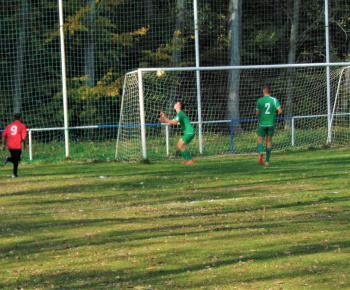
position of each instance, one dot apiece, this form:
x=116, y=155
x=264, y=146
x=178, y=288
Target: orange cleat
x=190, y=161
x=184, y=162
x=261, y=159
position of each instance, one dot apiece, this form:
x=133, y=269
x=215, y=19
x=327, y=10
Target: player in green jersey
x=266, y=108
x=187, y=128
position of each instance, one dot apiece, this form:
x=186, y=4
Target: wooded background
x=104, y=39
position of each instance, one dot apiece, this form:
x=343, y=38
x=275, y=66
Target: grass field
x=225, y=223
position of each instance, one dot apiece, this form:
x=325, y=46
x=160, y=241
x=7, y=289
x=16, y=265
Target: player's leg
x=16, y=155
x=261, y=144
x=261, y=150
x=188, y=138
x=181, y=146
x=268, y=150
x=261, y=137
x=6, y=160
x=9, y=158
x=269, y=144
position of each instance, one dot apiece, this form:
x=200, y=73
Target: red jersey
x=14, y=133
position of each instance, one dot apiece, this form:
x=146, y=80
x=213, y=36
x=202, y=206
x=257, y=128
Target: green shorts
x=188, y=137
x=263, y=131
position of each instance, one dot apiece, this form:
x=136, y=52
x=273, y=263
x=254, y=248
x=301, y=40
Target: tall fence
x=71, y=93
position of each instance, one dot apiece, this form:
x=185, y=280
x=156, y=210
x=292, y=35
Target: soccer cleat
x=261, y=159
x=267, y=164
x=14, y=176
x=184, y=162
x=190, y=161
x=6, y=159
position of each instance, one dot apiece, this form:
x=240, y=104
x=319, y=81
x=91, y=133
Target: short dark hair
x=17, y=116
x=267, y=88
x=181, y=104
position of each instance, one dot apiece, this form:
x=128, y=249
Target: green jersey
x=267, y=107
x=185, y=123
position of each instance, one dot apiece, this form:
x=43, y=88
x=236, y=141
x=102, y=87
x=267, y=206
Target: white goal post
x=340, y=112
x=223, y=110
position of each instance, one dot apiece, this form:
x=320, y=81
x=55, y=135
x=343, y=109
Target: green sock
x=183, y=154
x=268, y=153
x=187, y=155
x=260, y=148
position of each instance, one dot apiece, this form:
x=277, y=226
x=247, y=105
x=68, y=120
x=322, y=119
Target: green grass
x=214, y=144
x=223, y=223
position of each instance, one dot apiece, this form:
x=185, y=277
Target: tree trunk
x=148, y=7
x=179, y=31
x=235, y=10
x=177, y=48
x=17, y=99
x=291, y=59
x=279, y=24
x=89, y=67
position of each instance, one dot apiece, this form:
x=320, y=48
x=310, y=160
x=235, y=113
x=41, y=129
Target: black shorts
x=16, y=154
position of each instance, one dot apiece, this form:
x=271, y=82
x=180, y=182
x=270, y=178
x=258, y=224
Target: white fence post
x=293, y=142
x=30, y=141
x=64, y=81
x=142, y=115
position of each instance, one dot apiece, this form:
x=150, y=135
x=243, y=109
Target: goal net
x=220, y=102
x=340, y=119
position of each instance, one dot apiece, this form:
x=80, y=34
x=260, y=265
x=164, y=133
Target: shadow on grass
x=143, y=222
x=132, y=275
x=153, y=225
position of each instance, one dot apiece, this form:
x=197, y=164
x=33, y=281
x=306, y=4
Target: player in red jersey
x=14, y=133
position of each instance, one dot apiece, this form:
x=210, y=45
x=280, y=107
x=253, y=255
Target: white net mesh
x=227, y=101
x=340, y=120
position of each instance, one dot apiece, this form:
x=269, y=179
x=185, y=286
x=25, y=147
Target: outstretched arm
x=24, y=142
x=165, y=119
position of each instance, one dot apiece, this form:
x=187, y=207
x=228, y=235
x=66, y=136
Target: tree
x=19, y=70
x=177, y=48
x=278, y=17
x=179, y=31
x=235, y=8
x=291, y=59
x=90, y=46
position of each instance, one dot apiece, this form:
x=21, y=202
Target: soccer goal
x=220, y=102
x=340, y=119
